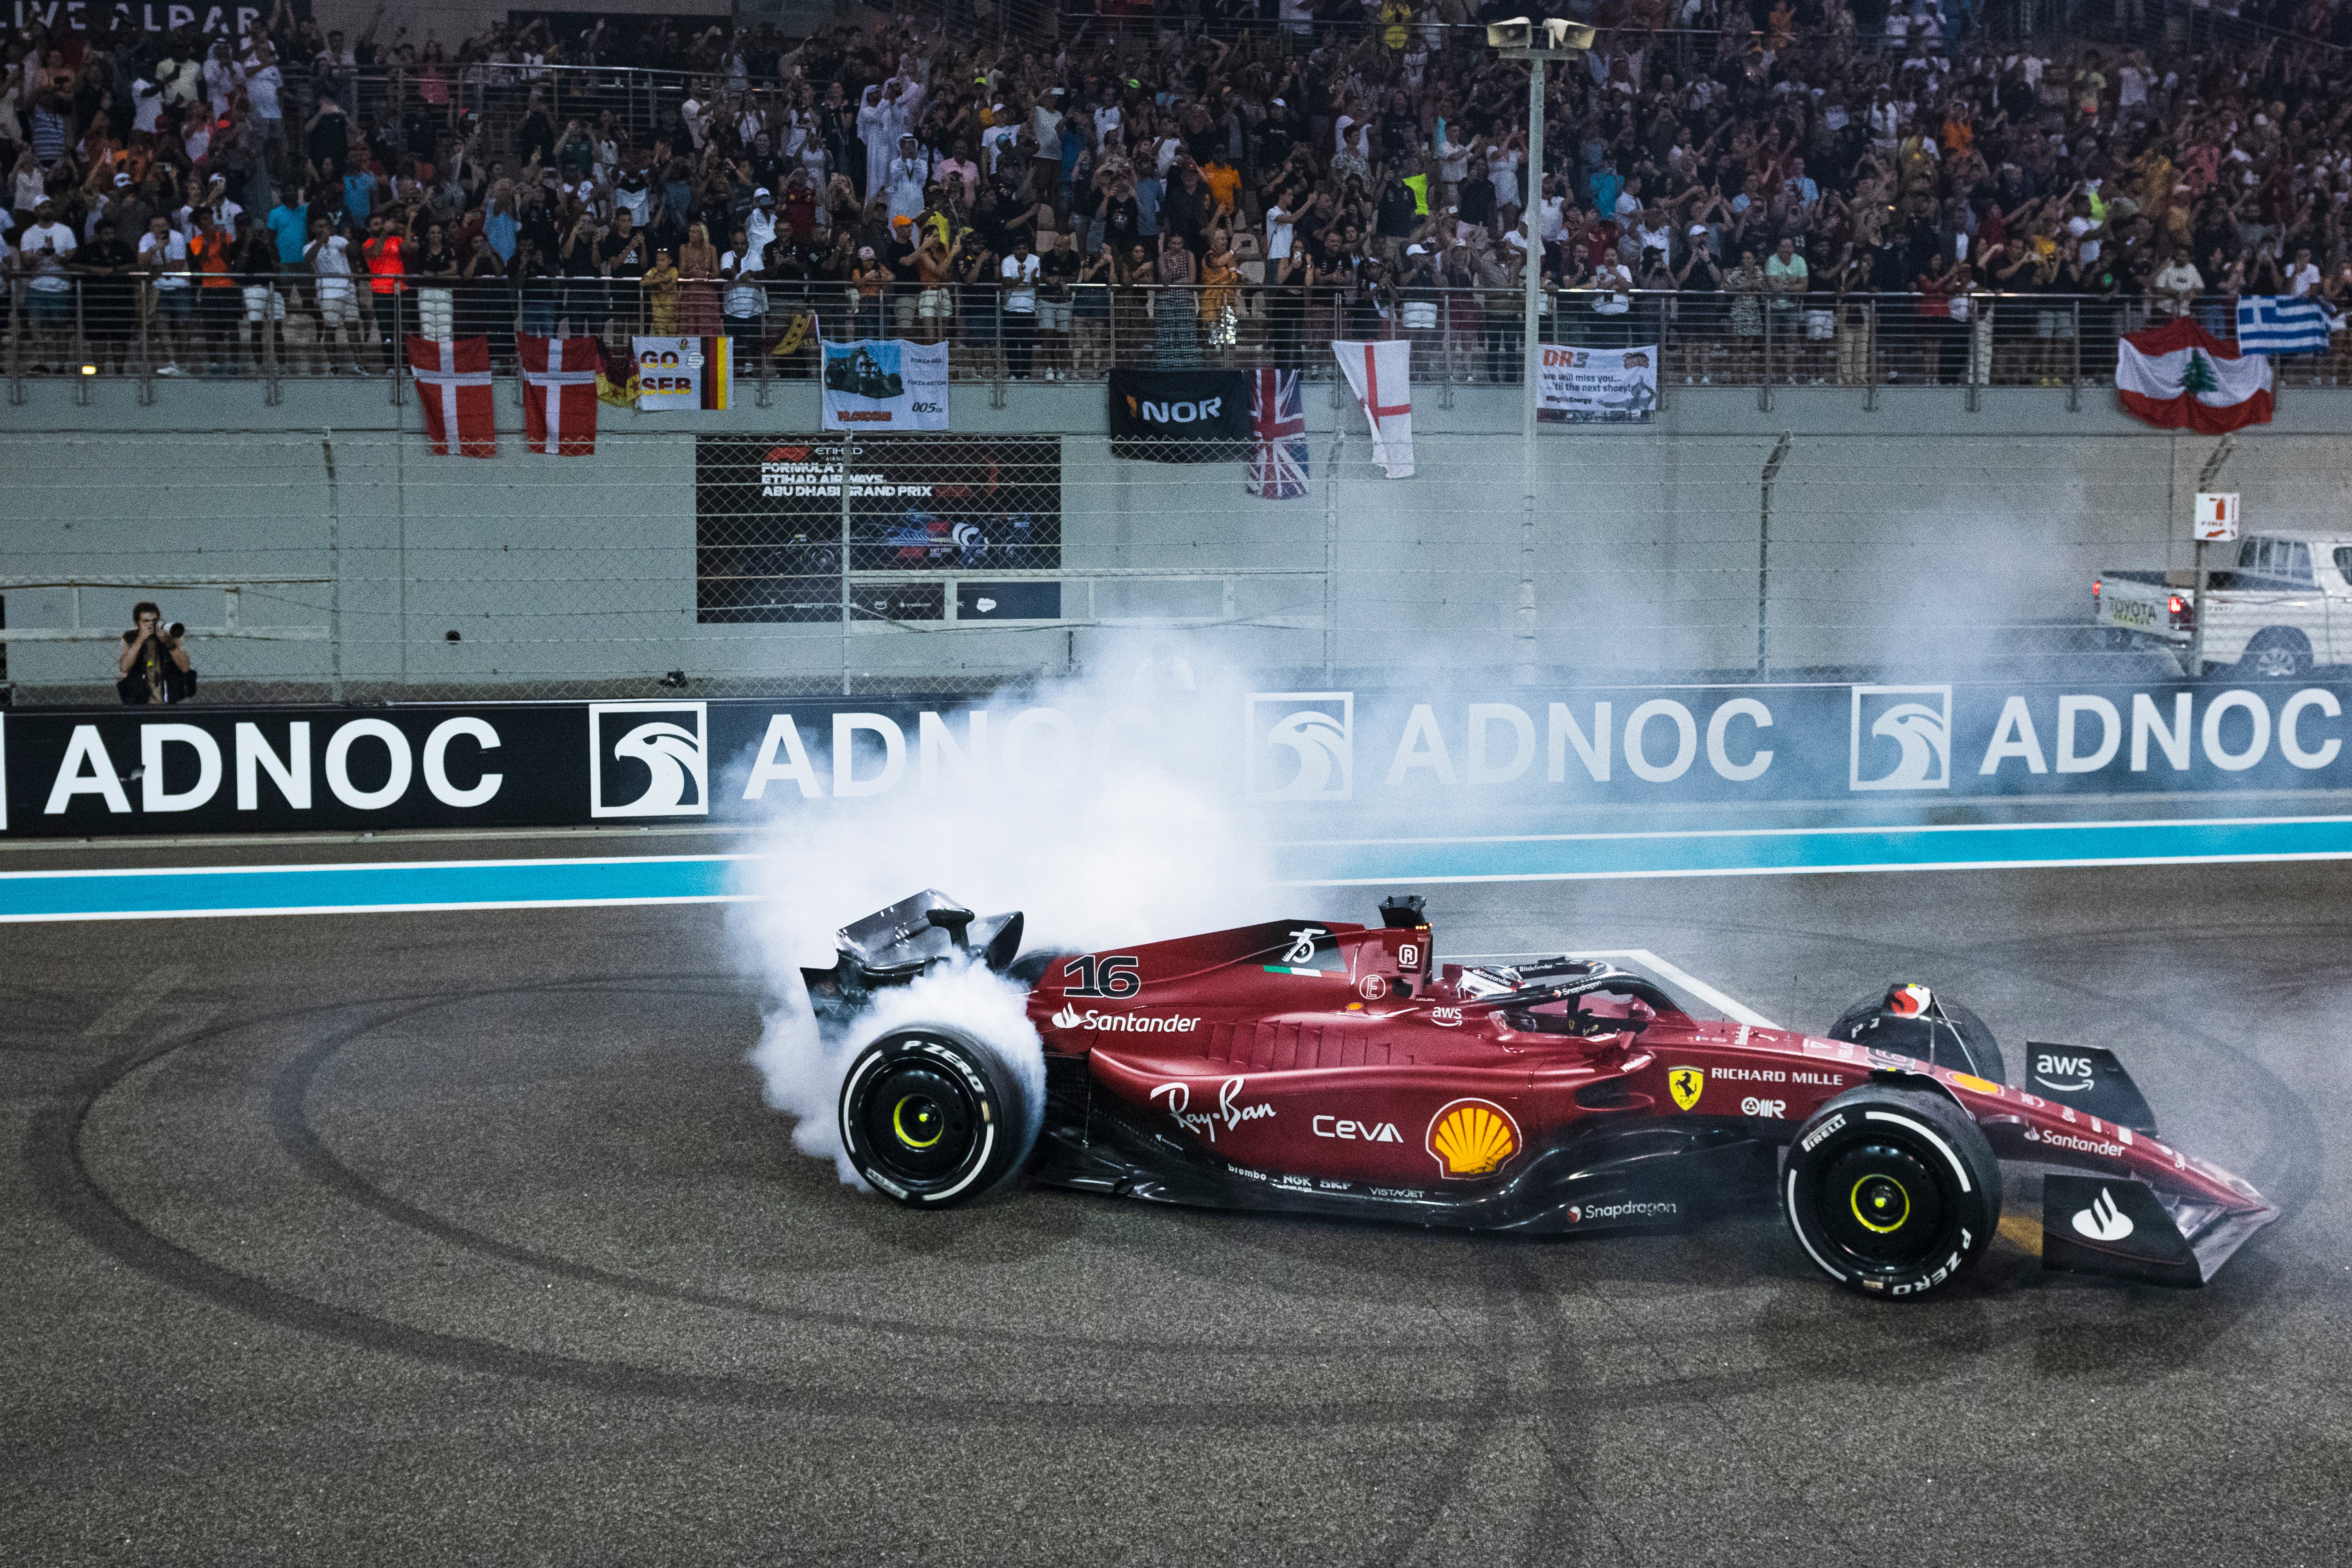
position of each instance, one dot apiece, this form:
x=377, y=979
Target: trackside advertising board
x=1333, y=758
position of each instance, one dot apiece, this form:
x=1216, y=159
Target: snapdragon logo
x=1901, y=738
x=1299, y=745
x=654, y=764
x=1121, y=1023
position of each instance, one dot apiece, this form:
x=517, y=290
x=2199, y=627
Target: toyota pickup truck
x=2275, y=604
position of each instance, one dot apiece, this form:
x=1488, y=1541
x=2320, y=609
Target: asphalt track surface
x=446, y=1237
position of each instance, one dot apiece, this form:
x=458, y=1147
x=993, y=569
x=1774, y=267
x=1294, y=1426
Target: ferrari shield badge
x=1684, y=1083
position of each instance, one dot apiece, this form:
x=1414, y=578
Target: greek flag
x=2274, y=324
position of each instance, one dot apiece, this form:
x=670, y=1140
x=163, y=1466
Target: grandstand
x=1808, y=193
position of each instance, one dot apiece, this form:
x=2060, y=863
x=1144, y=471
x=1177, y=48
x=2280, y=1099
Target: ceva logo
x=1909, y=739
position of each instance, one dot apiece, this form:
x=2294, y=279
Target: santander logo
x=1121, y=1023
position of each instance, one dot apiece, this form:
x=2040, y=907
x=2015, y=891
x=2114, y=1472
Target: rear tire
x=932, y=1117
x=2277, y=654
x=1892, y=1192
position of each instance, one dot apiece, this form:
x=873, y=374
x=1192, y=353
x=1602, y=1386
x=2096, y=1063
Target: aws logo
x=1471, y=1138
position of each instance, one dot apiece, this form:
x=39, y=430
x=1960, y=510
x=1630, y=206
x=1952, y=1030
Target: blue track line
x=393, y=886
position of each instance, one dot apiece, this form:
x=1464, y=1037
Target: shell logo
x=1471, y=1138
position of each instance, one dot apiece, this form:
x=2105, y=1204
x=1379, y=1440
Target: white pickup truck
x=2275, y=603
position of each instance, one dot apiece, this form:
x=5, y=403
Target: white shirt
x=1021, y=298
x=261, y=88
x=50, y=277
x=332, y=265
x=743, y=298
x=2078, y=227
x=1107, y=118
x=174, y=246
x=1502, y=169
x=2302, y=280
x=1279, y=231
x=995, y=139
x=147, y=105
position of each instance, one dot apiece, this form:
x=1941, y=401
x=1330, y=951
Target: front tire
x=932, y=1117
x=1980, y=1051
x=1893, y=1192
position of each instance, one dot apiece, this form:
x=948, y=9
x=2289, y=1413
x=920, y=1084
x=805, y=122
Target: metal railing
x=279, y=329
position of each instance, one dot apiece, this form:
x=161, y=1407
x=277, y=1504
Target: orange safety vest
x=385, y=265
x=212, y=261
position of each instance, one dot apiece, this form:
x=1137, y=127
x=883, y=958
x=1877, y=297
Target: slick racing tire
x=933, y=1116
x=1893, y=1192
x=1984, y=1058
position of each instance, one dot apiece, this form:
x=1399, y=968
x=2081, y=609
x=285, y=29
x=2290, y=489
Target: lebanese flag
x=559, y=375
x=1382, y=376
x=453, y=384
x=2178, y=376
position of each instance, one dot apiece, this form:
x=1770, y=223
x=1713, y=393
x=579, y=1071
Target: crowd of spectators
x=1882, y=195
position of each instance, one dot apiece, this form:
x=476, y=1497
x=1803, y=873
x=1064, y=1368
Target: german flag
x=716, y=363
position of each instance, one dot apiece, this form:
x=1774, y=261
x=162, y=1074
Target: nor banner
x=1507, y=763
x=1598, y=386
x=1180, y=417
x=886, y=384
x=682, y=373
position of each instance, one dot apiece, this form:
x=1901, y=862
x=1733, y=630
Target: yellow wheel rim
x=927, y=1117
x=1886, y=1210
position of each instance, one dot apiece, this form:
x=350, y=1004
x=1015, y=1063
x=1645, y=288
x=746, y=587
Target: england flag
x=1277, y=466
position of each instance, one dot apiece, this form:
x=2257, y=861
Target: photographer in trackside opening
x=155, y=665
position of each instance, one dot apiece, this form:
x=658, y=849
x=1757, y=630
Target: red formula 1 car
x=1319, y=1068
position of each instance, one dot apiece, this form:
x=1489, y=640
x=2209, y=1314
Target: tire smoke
x=1102, y=808
x=802, y=1064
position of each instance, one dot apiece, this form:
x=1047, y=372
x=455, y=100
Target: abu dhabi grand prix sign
x=1323, y=758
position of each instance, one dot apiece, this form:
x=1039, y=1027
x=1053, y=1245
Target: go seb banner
x=1328, y=757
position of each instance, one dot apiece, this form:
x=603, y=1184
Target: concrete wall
x=1913, y=530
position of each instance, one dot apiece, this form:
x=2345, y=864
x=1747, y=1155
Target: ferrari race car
x=1321, y=1068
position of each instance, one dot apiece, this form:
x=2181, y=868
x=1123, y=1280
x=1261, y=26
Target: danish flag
x=453, y=385
x=558, y=405
x=1278, y=465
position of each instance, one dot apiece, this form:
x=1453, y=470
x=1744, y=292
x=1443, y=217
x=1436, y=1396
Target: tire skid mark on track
x=85, y=1203
x=1491, y=1395
x=54, y=1157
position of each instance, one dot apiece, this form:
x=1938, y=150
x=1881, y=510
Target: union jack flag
x=1278, y=465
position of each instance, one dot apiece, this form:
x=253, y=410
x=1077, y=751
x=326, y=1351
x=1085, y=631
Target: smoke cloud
x=1102, y=808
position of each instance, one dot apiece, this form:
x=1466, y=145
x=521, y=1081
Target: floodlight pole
x=1531, y=368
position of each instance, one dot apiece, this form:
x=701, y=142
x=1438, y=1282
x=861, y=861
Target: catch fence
x=322, y=567
x=278, y=329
